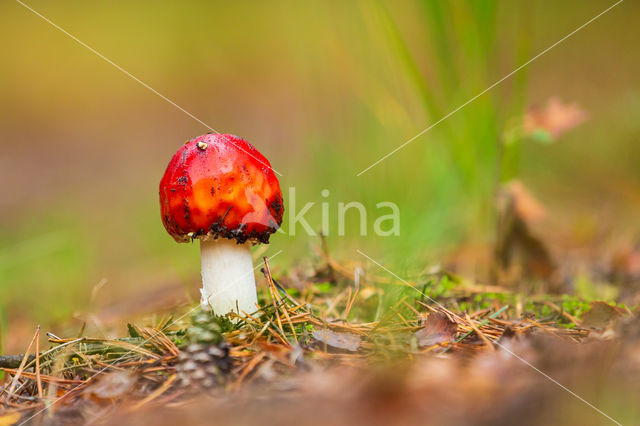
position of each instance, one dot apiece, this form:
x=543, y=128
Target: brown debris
x=601, y=315
x=112, y=385
x=294, y=356
x=438, y=329
x=338, y=340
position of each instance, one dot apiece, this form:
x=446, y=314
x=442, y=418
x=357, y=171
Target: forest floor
x=335, y=344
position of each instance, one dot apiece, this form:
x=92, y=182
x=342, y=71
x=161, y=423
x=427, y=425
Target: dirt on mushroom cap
x=219, y=185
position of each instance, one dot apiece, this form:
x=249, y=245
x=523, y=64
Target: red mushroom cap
x=220, y=186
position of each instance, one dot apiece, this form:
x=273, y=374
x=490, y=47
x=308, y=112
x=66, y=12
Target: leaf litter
x=298, y=354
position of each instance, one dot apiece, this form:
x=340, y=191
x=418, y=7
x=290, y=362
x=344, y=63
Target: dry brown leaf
x=601, y=315
x=346, y=341
x=437, y=329
x=113, y=385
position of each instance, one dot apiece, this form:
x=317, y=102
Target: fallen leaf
x=437, y=329
x=601, y=315
x=113, y=385
x=346, y=341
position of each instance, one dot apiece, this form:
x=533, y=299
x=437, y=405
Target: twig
x=13, y=361
x=46, y=378
x=156, y=393
x=275, y=297
x=563, y=312
x=14, y=382
x=350, y=302
x=414, y=310
x=482, y=323
x=284, y=292
x=479, y=333
x=62, y=345
x=249, y=367
x=38, y=378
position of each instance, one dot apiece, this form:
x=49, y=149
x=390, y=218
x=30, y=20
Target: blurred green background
x=323, y=89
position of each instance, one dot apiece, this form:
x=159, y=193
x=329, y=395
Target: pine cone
x=204, y=366
x=205, y=361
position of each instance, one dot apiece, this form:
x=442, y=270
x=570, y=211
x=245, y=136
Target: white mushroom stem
x=228, y=283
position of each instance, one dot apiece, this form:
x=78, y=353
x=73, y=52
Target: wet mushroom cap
x=220, y=186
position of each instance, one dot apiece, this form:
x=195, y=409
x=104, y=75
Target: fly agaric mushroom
x=221, y=190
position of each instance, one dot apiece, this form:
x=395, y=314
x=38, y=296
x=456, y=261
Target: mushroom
x=220, y=190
